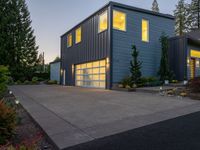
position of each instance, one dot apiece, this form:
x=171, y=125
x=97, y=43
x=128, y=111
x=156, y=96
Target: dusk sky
x=52, y=18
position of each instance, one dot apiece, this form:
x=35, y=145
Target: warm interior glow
x=145, y=30
x=119, y=20
x=78, y=35
x=103, y=21
x=91, y=74
x=195, y=53
x=69, y=40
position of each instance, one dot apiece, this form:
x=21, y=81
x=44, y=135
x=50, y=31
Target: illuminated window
x=195, y=53
x=145, y=30
x=119, y=20
x=69, y=40
x=103, y=21
x=78, y=35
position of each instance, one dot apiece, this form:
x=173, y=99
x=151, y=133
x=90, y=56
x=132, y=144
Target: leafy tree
x=135, y=67
x=181, y=18
x=194, y=15
x=18, y=50
x=57, y=59
x=164, y=71
x=155, y=6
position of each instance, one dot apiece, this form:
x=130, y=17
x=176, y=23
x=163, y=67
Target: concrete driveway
x=71, y=115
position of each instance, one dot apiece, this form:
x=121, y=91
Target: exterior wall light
x=188, y=61
x=61, y=71
x=107, y=62
x=197, y=63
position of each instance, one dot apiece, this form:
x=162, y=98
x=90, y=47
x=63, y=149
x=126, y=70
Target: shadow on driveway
x=182, y=133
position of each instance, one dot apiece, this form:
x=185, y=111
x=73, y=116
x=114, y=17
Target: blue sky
x=52, y=18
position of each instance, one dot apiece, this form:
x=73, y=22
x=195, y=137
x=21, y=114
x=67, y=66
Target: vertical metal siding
x=178, y=56
x=94, y=46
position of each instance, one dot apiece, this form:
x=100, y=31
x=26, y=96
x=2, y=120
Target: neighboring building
x=184, y=55
x=55, y=71
x=97, y=51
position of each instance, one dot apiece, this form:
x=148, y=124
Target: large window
x=103, y=21
x=78, y=35
x=119, y=20
x=145, y=30
x=69, y=40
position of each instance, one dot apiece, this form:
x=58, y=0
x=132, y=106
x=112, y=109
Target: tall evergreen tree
x=164, y=71
x=155, y=6
x=135, y=67
x=194, y=15
x=18, y=48
x=181, y=18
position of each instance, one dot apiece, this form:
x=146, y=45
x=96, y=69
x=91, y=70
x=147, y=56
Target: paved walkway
x=72, y=116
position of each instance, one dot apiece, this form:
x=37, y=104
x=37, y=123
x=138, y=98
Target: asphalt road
x=182, y=133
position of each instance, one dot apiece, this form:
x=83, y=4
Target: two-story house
x=97, y=51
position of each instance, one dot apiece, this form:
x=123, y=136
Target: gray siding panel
x=150, y=53
x=94, y=46
x=55, y=71
x=178, y=56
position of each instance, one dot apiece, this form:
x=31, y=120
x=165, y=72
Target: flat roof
x=120, y=5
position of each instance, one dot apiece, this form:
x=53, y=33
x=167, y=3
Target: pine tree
x=181, y=20
x=19, y=50
x=135, y=67
x=164, y=71
x=155, y=6
x=194, y=15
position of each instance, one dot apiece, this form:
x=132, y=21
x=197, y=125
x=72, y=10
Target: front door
x=192, y=68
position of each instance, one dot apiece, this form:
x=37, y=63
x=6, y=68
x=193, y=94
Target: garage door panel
x=92, y=74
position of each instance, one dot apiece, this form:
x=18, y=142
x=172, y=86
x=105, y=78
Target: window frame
x=125, y=20
x=70, y=34
x=148, y=30
x=76, y=35
x=102, y=13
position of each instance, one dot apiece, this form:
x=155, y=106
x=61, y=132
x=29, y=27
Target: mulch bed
x=27, y=131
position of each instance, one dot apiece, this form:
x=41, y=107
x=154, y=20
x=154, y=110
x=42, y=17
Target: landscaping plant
x=136, y=65
x=194, y=85
x=164, y=71
x=7, y=122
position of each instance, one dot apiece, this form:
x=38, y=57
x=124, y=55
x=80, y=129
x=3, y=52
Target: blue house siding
x=150, y=52
x=55, y=71
x=94, y=46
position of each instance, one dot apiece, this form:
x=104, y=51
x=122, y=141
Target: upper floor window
x=119, y=20
x=145, y=30
x=69, y=40
x=103, y=21
x=78, y=35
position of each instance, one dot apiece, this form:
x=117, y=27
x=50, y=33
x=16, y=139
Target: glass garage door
x=92, y=74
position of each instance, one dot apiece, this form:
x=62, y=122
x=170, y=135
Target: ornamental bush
x=7, y=122
x=194, y=85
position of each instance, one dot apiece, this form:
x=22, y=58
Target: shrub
x=3, y=80
x=35, y=80
x=26, y=82
x=18, y=82
x=126, y=82
x=194, y=85
x=52, y=82
x=7, y=122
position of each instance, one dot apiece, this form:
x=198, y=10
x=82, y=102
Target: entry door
x=64, y=77
x=192, y=68
x=91, y=74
